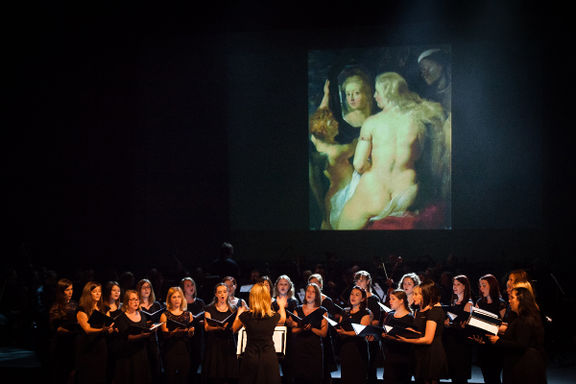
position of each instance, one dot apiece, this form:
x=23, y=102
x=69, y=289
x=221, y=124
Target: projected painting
x=380, y=138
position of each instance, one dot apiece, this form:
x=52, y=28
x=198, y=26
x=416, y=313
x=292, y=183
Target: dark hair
x=400, y=294
x=430, y=293
x=188, y=278
x=107, y=291
x=494, y=287
x=527, y=307
x=467, y=291
x=364, y=296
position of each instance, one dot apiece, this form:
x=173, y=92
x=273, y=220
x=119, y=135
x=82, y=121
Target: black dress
x=353, y=350
x=196, y=342
x=220, y=362
x=154, y=358
x=397, y=355
x=374, y=346
x=490, y=357
x=114, y=343
x=177, y=350
x=330, y=364
x=307, y=351
x=259, y=364
x=430, y=360
x=523, y=352
x=62, y=343
x=457, y=345
x=91, y=355
x=132, y=365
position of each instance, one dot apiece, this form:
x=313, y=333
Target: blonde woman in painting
x=395, y=145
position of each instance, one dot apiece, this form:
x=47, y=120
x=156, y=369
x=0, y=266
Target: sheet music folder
x=484, y=320
x=278, y=337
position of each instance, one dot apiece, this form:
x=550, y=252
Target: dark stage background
x=138, y=138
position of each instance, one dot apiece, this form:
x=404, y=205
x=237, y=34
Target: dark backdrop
x=136, y=138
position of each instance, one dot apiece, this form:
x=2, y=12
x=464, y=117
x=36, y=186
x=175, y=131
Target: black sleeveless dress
x=91, y=355
x=307, y=351
x=397, y=355
x=353, y=351
x=220, y=360
x=176, y=350
x=457, y=345
x=259, y=364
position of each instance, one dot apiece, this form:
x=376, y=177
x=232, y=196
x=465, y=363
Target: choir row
x=406, y=330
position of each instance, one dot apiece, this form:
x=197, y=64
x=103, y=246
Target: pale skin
x=338, y=170
x=458, y=288
x=145, y=292
x=485, y=292
x=356, y=100
x=399, y=309
x=430, y=329
x=408, y=287
x=232, y=291
x=175, y=308
x=355, y=300
x=308, y=307
x=282, y=303
x=82, y=317
x=189, y=289
x=114, y=296
x=385, y=155
x=133, y=313
x=221, y=296
x=283, y=287
x=364, y=283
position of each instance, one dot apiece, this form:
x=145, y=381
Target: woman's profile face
x=458, y=288
x=514, y=301
x=96, y=293
x=355, y=98
x=68, y=292
x=418, y=296
x=395, y=303
x=484, y=288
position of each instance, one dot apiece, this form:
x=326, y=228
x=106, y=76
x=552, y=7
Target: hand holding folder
x=224, y=324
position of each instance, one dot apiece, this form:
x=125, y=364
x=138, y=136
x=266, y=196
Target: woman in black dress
x=353, y=348
x=430, y=363
x=111, y=299
x=259, y=364
x=334, y=312
x=308, y=338
x=220, y=363
x=232, y=285
x=458, y=346
x=150, y=308
x=523, y=342
x=364, y=280
x=196, y=306
x=91, y=343
x=398, y=355
x=489, y=357
x=177, y=329
x=63, y=326
x=132, y=365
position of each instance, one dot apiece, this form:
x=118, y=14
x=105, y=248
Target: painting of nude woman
x=380, y=146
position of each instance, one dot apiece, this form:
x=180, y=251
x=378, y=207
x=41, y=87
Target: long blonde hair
x=260, y=300
x=172, y=291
